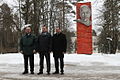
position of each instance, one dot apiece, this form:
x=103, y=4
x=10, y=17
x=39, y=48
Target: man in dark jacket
x=44, y=49
x=59, y=48
x=27, y=48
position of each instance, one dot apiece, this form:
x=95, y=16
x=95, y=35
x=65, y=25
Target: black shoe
x=56, y=72
x=48, y=73
x=25, y=72
x=32, y=72
x=40, y=73
x=62, y=73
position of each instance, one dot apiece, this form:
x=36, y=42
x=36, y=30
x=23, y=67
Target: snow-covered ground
x=80, y=59
x=77, y=67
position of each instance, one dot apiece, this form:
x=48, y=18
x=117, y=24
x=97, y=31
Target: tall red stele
x=84, y=30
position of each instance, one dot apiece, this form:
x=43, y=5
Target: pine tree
x=109, y=35
x=9, y=33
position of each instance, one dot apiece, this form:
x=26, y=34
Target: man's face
x=44, y=29
x=27, y=30
x=58, y=30
x=85, y=13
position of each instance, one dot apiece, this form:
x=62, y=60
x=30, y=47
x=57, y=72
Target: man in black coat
x=27, y=48
x=44, y=49
x=59, y=45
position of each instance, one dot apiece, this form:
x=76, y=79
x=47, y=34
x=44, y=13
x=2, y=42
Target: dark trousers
x=47, y=56
x=31, y=61
x=56, y=60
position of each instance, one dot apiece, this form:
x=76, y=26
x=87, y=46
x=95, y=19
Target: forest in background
x=53, y=13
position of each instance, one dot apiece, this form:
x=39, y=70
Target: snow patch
x=80, y=59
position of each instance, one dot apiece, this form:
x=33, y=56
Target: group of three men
x=44, y=44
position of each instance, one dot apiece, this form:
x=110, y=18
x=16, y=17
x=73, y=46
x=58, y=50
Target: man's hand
x=21, y=52
x=34, y=51
x=64, y=52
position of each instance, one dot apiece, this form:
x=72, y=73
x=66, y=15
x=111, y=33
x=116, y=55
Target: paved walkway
x=72, y=72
